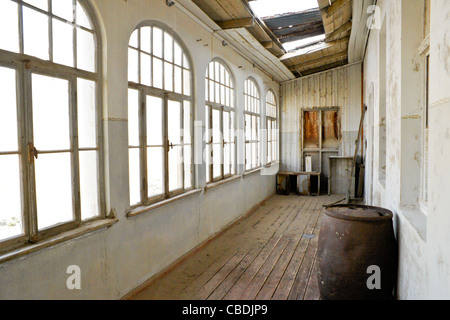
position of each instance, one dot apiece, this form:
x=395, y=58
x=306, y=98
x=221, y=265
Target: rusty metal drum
x=357, y=253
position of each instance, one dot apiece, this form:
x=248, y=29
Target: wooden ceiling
x=271, y=32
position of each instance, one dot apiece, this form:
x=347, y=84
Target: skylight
x=266, y=8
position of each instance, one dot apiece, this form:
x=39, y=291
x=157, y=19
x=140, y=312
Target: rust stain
x=311, y=128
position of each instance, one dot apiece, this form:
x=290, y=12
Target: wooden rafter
x=236, y=23
x=324, y=59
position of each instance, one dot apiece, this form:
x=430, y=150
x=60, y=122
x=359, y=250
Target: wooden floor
x=269, y=255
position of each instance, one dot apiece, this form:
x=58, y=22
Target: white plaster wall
x=115, y=261
x=423, y=237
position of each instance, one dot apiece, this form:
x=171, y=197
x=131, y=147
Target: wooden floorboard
x=271, y=254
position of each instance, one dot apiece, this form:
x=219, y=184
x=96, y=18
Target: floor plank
x=271, y=254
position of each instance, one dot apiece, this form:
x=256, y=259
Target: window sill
x=213, y=185
x=417, y=218
x=144, y=209
x=60, y=238
x=252, y=171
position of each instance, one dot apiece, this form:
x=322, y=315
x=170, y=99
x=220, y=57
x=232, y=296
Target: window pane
x=35, y=31
x=133, y=65
x=82, y=17
x=41, y=4
x=248, y=156
x=157, y=73
x=50, y=113
x=207, y=157
x=174, y=122
x=53, y=189
x=154, y=121
x=168, y=76
x=178, y=88
x=8, y=110
x=178, y=54
x=10, y=197
x=168, y=47
x=146, y=39
x=255, y=161
x=226, y=160
x=187, y=167
x=186, y=82
x=85, y=50
x=133, y=117
x=87, y=119
x=217, y=160
x=134, y=175
x=155, y=171
x=226, y=127
x=217, y=135
x=248, y=127
x=63, y=9
x=9, y=24
x=146, y=69
x=187, y=122
x=157, y=42
x=89, y=185
x=176, y=168
x=62, y=43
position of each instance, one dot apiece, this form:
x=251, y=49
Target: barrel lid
x=358, y=212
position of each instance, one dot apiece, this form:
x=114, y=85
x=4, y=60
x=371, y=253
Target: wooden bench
x=282, y=176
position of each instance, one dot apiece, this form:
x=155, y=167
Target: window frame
x=274, y=120
x=25, y=66
x=257, y=115
x=166, y=96
x=221, y=108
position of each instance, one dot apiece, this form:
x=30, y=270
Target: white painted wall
x=422, y=228
x=115, y=261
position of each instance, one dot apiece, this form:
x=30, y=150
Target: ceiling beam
x=334, y=7
x=323, y=68
x=307, y=64
x=335, y=34
x=236, y=23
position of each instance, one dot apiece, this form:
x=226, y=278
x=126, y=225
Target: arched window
x=49, y=119
x=252, y=118
x=220, y=123
x=159, y=116
x=272, y=127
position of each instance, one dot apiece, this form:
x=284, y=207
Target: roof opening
x=298, y=44
x=266, y=8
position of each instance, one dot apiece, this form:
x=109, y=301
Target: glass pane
x=157, y=42
x=157, y=73
x=134, y=39
x=248, y=127
x=233, y=152
x=10, y=197
x=269, y=152
x=217, y=160
x=85, y=50
x=89, y=185
x=154, y=121
x=207, y=158
x=146, y=38
x=211, y=91
x=146, y=69
x=226, y=160
x=155, y=171
x=62, y=43
x=168, y=76
x=178, y=78
x=185, y=62
x=255, y=162
x=178, y=54
x=254, y=128
x=176, y=168
x=87, y=119
x=53, y=189
x=82, y=17
x=50, y=113
x=168, y=47
x=186, y=82
x=8, y=110
x=63, y=9
x=35, y=33
x=187, y=167
x=217, y=134
x=133, y=65
x=9, y=24
x=174, y=122
x=134, y=176
x=248, y=156
x=41, y=4
x=226, y=127
x=187, y=122
x=133, y=117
